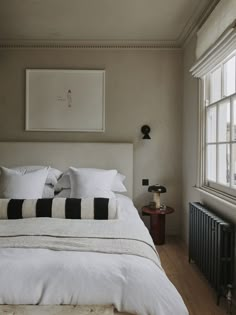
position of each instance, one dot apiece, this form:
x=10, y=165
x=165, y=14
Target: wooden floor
x=198, y=296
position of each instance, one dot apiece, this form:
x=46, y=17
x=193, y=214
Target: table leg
x=157, y=228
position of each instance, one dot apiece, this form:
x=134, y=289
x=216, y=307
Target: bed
x=86, y=266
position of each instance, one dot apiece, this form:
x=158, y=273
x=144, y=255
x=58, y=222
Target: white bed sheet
x=131, y=283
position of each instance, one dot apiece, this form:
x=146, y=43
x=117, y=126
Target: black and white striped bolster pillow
x=65, y=208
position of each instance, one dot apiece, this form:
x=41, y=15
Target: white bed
x=78, y=265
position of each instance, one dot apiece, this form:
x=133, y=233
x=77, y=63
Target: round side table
x=157, y=223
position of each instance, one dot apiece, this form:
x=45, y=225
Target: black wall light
x=145, y=129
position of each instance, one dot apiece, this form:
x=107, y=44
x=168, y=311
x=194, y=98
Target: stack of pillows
x=38, y=191
x=89, y=182
x=33, y=182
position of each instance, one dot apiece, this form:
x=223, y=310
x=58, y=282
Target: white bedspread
x=130, y=282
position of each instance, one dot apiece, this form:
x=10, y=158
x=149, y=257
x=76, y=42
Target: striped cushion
x=65, y=208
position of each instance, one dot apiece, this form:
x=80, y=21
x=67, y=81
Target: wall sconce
x=145, y=129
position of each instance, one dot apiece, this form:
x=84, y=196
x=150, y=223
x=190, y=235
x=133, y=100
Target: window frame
x=227, y=192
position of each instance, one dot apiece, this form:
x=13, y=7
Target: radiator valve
x=229, y=299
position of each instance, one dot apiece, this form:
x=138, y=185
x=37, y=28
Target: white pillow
x=53, y=173
x=86, y=183
x=64, y=193
x=63, y=182
x=48, y=191
x=117, y=185
x=14, y=184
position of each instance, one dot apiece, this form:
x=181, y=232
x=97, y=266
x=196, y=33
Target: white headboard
x=64, y=154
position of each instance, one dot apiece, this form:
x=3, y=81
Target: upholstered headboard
x=64, y=154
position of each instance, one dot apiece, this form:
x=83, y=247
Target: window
x=219, y=115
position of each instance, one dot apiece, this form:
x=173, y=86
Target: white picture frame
x=65, y=100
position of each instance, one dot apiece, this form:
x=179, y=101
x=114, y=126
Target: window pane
x=215, y=86
x=224, y=164
x=229, y=77
x=234, y=120
x=234, y=165
x=211, y=162
x=224, y=121
x=211, y=124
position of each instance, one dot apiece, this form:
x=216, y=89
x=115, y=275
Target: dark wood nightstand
x=157, y=223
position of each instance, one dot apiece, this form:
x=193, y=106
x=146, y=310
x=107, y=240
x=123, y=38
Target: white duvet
x=131, y=283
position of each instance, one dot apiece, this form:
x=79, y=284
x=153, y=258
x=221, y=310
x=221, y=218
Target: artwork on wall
x=65, y=100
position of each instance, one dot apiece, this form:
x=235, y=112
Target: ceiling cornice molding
x=72, y=44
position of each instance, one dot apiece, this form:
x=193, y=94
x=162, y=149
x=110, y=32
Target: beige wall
x=141, y=87
x=190, y=134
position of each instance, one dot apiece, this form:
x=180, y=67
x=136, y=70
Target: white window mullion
x=231, y=141
x=217, y=140
x=235, y=72
x=202, y=134
x=231, y=165
x=207, y=96
x=231, y=145
x=205, y=146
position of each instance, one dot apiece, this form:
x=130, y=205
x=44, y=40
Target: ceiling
x=100, y=20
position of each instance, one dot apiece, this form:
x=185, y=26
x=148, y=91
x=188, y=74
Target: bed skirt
x=58, y=310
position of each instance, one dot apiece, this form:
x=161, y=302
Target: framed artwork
x=65, y=100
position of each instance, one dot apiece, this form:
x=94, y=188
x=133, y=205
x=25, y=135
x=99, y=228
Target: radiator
x=211, y=247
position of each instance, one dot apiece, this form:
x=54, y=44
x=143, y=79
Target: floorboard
x=197, y=294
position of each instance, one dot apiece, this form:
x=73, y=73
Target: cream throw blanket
x=112, y=236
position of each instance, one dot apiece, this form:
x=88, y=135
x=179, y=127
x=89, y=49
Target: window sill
x=218, y=196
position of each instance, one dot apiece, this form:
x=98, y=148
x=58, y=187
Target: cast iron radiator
x=211, y=247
